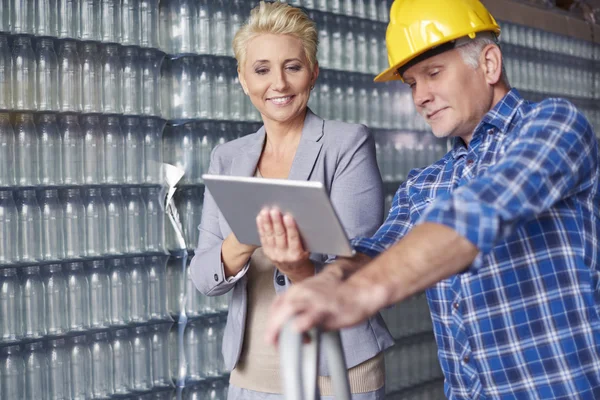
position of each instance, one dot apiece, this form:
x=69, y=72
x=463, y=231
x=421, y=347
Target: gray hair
x=472, y=48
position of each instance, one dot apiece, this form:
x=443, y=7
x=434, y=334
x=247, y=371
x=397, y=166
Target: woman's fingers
x=279, y=230
x=293, y=236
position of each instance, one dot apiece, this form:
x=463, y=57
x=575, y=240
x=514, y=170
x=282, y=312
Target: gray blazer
x=342, y=157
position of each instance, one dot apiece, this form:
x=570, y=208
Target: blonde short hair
x=280, y=19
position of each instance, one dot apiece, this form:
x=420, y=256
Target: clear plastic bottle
x=69, y=77
x=362, y=51
x=123, y=361
x=22, y=18
x=112, y=79
x=338, y=96
x=203, y=27
x=50, y=161
x=220, y=94
x=90, y=20
x=30, y=226
x=46, y=22
x=132, y=83
x=93, y=139
x=7, y=152
x=142, y=365
x=324, y=31
x=135, y=217
x=102, y=372
x=237, y=14
x=81, y=368
x=95, y=217
x=111, y=21
x=72, y=149
x=337, y=44
x=116, y=224
x=46, y=75
x=155, y=236
x=189, y=205
x=91, y=78
x=130, y=22
x=138, y=290
x=99, y=294
x=119, y=292
x=23, y=74
x=183, y=103
x=219, y=32
x=52, y=235
x=68, y=19
x=152, y=129
x=74, y=223
x=11, y=327
x=12, y=372
x=78, y=296
x=55, y=284
x=149, y=27
x=6, y=101
x=8, y=228
x=26, y=150
x=59, y=370
x=33, y=303
x=157, y=287
x=159, y=340
x=350, y=100
x=115, y=150
x=151, y=61
x=204, y=82
x=134, y=151
x=36, y=371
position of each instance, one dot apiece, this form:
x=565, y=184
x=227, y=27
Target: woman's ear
x=242, y=81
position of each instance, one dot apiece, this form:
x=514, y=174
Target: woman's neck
x=282, y=137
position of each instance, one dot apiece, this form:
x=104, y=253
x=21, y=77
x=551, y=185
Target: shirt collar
x=499, y=118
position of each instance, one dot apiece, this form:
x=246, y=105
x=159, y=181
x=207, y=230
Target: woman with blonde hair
x=276, y=50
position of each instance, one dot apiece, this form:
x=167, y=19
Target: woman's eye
x=294, y=67
x=261, y=71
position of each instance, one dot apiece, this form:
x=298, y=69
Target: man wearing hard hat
x=503, y=231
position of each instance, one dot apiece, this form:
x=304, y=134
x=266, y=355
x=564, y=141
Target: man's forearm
x=427, y=254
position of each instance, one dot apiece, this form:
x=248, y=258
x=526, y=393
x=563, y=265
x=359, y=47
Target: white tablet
x=241, y=199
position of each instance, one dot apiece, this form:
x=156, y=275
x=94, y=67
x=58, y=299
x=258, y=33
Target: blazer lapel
x=308, y=148
x=245, y=163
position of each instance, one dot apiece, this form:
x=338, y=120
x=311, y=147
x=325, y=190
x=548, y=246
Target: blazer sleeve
x=357, y=189
x=206, y=267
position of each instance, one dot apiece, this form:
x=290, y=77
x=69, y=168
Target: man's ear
x=491, y=63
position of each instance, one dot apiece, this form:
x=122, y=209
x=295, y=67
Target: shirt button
x=470, y=161
x=456, y=306
x=490, y=131
x=466, y=359
x=281, y=280
x=216, y=277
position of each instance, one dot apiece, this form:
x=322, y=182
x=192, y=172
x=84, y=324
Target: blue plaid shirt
x=522, y=322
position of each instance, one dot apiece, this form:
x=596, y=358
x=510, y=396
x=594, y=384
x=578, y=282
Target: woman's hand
x=282, y=244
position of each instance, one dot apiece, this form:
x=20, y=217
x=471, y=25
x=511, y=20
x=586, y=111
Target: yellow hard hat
x=417, y=26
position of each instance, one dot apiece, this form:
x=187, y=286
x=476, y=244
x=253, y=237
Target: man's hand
x=323, y=300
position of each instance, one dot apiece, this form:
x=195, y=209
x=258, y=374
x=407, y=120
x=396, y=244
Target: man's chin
x=440, y=132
